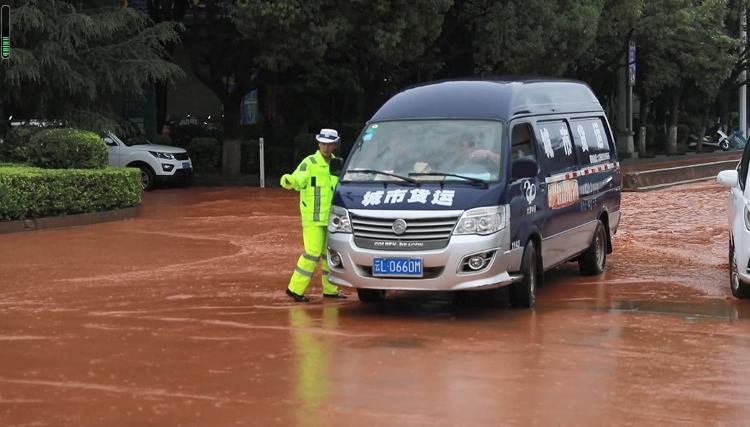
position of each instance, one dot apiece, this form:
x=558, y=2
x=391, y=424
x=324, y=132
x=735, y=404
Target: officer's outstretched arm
x=297, y=180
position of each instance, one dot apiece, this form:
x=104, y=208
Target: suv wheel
x=739, y=289
x=147, y=178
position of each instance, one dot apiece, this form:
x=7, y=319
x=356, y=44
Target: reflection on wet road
x=178, y=317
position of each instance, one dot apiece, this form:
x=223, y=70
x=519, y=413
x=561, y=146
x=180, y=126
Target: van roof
x=500, y=99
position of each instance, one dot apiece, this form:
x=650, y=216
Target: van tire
x=594, y=260
x=739, y=289
x=523, y=292
x=371, y=296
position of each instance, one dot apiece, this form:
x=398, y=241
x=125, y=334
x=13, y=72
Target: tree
x=69, y=65
x=685, y=50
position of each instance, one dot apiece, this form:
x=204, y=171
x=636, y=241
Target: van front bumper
x=442, y=268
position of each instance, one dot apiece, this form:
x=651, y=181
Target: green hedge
x=27, y=192
x=67, y=149
x=15, y=145
x=205, y=153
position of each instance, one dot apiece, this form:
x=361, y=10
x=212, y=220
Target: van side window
x=592, y=141
x=556, y=146
x=742, y=167
x=521, y=144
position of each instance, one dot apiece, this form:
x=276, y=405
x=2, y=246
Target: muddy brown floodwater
x=178, y=317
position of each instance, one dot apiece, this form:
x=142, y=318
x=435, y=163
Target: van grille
x=421, y=233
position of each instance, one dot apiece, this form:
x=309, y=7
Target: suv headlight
x=482, y=221
x=160, y=155
x=338, y=220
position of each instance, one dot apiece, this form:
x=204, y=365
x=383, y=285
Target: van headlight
x=338, y=220
x=482, y=221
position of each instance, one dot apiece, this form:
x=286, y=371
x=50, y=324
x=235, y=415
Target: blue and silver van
x=474, y=185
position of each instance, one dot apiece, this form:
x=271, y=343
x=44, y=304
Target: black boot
x=337, y=295
x=297, y=298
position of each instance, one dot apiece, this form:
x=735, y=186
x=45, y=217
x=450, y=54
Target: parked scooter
x=716, y=137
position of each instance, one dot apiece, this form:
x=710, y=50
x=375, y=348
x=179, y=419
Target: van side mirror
x=525, y=167
x=728, y=178
x=337, y=163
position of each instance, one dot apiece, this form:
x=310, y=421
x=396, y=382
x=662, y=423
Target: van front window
x=427, y=150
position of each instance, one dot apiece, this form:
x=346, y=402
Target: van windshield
x=427, y=150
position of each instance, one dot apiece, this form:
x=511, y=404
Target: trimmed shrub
x=27, y=192
x=15, y=145
x=205, y=153
x=67, y=149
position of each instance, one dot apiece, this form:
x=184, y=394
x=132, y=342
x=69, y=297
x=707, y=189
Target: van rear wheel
x=371, y=296
x=523, y=292
x=594, y=260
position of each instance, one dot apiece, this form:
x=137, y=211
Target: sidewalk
x=666, y=170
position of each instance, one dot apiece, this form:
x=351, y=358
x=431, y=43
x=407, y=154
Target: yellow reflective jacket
x=315, y=184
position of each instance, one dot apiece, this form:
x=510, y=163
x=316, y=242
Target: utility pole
x=743, y=75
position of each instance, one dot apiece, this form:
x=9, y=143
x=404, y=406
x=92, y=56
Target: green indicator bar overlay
x=5, y=32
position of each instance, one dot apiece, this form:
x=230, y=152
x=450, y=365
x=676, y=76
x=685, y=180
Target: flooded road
x=178, y=317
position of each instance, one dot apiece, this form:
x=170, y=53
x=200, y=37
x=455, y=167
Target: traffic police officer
x=315, y=184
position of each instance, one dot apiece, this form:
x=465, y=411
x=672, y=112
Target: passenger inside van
x=521, y=143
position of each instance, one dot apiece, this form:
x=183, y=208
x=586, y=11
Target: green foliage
x=27, y=192
x=532, y=36
x=68, y=64
x=205, y=153
x=67, y=149
x=15, y=145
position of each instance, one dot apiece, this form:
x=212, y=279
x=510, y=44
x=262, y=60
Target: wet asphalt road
x=178, y=317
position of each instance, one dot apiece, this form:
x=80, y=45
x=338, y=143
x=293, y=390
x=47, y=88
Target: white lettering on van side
x=530, y=190
x=547, y=143
x=592, y=187
x=598, y=134
x=582, y=136
x=562, y=194
x=596, y=158
x=567, y=146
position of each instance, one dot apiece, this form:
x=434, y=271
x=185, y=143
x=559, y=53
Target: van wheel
x=147, y=178
x=371, y=296
x=594, y=260
x=523, y=292
x=739, y=289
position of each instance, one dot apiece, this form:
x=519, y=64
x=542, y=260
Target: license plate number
x=397, y=267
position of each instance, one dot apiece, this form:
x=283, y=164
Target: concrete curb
x=67, y=220
x=668, y=176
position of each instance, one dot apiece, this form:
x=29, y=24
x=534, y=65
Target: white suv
x=739, y=225
x=156, y=162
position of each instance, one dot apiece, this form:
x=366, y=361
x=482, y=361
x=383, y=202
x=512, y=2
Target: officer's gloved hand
x=287, y=182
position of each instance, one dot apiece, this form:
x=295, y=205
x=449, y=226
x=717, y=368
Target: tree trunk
x=642, y=130
x=702, y=132
x=673, y=120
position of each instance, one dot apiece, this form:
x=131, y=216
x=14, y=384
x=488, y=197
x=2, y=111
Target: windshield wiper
x=375, y=171
x=468, y=178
